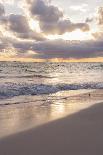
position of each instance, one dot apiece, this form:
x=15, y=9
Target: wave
x=27, y=76
x=10, y=90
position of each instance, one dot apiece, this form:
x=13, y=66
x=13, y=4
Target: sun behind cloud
x=75, y=35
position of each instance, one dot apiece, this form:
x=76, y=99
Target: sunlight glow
x=34, y=25
x=75, y=35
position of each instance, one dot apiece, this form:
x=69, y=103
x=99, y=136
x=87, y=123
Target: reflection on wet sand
x=18, y=117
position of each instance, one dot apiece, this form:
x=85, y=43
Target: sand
x=78, y=134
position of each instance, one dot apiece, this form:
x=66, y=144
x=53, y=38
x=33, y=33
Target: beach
x=78, y=134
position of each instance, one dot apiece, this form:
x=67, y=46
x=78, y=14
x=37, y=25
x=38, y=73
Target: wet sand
x=78, y=134
x=38, y=110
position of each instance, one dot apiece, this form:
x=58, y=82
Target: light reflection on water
x=20, y=111
x=18, y=117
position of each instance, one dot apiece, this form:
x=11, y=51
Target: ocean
x=35, y=93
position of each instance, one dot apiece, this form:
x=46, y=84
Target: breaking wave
x=11, y=89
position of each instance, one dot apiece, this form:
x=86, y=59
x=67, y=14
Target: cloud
x=100, y=16
x=60, y=49
x=44, y=12
x=2, y=10
x=51, y=21
x=98, y=35
x=32, y=35
x=18, y=23
x=62, y=26
x=97, y=17
x=19, y=26
x=99, y=23
x=53, y=49
x=51, y=18
x=27, y=42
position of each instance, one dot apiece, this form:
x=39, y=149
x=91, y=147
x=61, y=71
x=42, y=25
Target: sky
x=51, y=30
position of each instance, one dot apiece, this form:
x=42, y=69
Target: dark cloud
x=18, y=23
x=23, y=45
x=32, y=35
x=54, y=49
x=62, y=26
x=62, y=49
x=51, y=19
x=44, y=12
x=2, y=10
x=2, y=46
